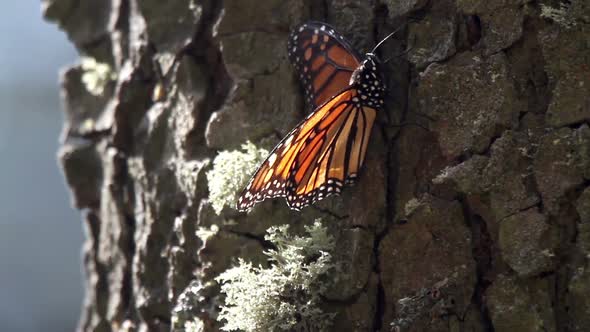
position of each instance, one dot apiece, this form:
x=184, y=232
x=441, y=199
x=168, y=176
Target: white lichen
x=230, y=173
x=443, y=175
x=187, y=326
x=562, y=15
x=194, y=326
x=96, y=75
x=190, y=305
x=411, y=206
x=287, y=295
x=205, y=233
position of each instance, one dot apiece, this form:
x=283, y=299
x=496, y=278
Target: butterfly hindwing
x=270, y=179
x=334, y=151
x=324, y=61
x=319, y=156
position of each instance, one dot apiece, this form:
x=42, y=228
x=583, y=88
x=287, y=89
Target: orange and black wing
x=324, y=61
x=270, y=179
x=319, y=156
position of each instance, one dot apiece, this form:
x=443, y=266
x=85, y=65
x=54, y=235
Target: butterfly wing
x=270, y=179
x=324, y=61
x=317, y=158
x=334, y=151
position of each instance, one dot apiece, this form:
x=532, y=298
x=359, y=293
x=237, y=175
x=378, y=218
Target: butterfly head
x=369, y=81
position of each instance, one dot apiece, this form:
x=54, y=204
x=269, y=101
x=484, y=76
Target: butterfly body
x=368, y=81
x=327, y=149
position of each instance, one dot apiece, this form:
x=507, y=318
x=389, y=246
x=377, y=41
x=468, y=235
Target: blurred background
x=40, y=234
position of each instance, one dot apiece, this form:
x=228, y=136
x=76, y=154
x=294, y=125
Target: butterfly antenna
x=400, y=54
x=389, y=36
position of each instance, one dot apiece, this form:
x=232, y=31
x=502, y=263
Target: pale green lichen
x=231, y=170
x=287, y=295
x=562, y=15
x=96, y=75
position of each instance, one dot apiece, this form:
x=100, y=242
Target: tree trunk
x=480, y=223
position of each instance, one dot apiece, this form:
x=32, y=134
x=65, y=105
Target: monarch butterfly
x=327, y=149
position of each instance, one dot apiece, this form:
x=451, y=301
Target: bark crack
x=482, y=248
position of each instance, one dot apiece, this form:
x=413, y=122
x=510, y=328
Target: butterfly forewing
x=324, y=61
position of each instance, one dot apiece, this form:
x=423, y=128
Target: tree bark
x=480, y=223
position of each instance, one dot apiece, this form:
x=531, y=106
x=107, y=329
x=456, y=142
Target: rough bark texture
x=481, y=223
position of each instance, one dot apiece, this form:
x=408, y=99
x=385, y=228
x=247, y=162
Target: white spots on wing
x=287, y=143
x=272, y=159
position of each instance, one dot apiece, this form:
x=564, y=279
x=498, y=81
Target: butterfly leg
x=427, y=117
x=406, y=123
